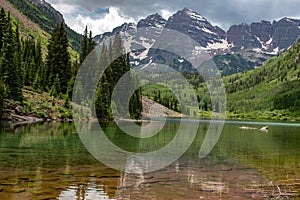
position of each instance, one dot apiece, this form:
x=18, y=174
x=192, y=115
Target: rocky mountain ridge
x=254, y=43
x=264, y=36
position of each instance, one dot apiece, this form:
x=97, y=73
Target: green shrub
x=2, y=96
x=65, y=113
x=39, y=113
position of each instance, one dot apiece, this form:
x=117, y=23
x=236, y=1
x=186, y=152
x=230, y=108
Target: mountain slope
x=272, y=91
x=26, y=26
x=196, y=26
x=243, y=47
x=43, y=14
x=264, y=36
x=23, y=82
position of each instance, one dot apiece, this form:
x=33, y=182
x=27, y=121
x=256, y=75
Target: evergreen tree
x=4, y=25
x=135, y=102
x=10, y=65
x=58, y=59
x=91, y=43
x=32, y=61
x=103, y=100
x=84, y=46
x=103, y=91
x=119, y=65
x=74, y=70
x=18, y=55
x=27, y=59
x=39, y=70
x=87, y=46
x=2, y=95
x=54, y=89
x=38, y=58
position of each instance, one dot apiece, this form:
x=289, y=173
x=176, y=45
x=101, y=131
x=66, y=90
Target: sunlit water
x=49, y=161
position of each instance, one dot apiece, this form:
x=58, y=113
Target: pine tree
x=74, y=70
x=37, y=83
x=91, y=43
x=58, y=59
x=26, y=60
x=84, y=46
x=87, y=46
x=4, y=25
x=39, y=70
x=103, y=91
x=103, y=99
x=54, y=89
x=2, y=95
x=10, y=65
x=135, y=102
x=119, y=65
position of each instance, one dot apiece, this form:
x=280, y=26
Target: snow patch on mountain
x=208, y=31
x=263, y=45
x=269, y=41
x=258, y=50
x=180, y=60
x=148, y=64
x=220, y=45
x=275, y=51
x=194, y=15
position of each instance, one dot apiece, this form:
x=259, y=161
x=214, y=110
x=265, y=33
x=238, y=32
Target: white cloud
x=223, y=12
x=78, y=20
x=66, y=9
x=166, y=14
x=109, y=21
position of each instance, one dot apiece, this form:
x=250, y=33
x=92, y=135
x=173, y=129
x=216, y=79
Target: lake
x=49, y=161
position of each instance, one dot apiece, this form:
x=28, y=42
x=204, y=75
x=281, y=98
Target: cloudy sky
x=104, y=15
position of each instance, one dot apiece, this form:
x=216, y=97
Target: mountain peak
x=289, y=20
x=154, y=20
x=186, y=10
x=124, y=27
x=196, y=26
x=155, y=15
x=192, y=14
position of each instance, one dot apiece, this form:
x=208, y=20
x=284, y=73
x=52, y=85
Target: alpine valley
x=254, y=59
x=70, y=130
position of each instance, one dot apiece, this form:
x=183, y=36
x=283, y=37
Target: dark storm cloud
x=222, y=12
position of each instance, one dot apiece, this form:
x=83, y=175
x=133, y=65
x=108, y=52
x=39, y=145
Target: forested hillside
x=271, y=91
x=27, y=28
x=42, y=13
x=24, y=68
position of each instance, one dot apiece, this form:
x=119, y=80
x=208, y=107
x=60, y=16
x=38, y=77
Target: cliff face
x=259, y=37
x=242, y=47
x=265, y=36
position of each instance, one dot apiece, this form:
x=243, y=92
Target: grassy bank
x=38, y=105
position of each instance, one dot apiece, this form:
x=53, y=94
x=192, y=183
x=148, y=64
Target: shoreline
x=17, y=120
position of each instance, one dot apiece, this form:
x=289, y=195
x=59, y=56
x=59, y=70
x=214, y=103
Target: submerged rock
x=265, y=128
x=247, y=128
